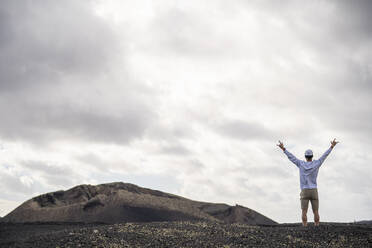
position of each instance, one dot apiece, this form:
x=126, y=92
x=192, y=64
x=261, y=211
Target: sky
x=188, y=97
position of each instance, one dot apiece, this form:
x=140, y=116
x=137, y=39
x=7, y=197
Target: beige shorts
x=307, y=195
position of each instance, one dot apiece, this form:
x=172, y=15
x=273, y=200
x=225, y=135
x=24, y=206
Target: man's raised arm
x=290, y=156
x=325, y=155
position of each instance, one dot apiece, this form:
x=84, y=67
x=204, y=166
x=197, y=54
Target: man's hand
x=334, y=142
x=281, y=145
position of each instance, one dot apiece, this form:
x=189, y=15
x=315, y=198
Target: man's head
x=309, y=155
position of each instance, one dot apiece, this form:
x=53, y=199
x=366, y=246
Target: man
x=308, y=174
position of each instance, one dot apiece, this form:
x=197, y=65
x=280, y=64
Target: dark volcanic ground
x=183, y=234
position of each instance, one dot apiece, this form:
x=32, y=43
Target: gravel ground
x=183, y=234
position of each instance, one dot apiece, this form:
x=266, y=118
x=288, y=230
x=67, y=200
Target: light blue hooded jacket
x=308, y=170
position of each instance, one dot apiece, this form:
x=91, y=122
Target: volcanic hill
x=123, y=202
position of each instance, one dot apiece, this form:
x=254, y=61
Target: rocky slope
x=367, y=222
x=183, y=234
x=123, y=202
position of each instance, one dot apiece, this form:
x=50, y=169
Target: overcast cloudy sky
x=189, y=97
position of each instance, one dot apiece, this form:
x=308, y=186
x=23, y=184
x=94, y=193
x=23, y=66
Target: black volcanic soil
x=183, y=234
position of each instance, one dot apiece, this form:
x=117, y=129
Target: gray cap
x=308, y=153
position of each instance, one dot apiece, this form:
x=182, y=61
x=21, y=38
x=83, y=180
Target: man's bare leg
x=316, y=218
x=304, y=217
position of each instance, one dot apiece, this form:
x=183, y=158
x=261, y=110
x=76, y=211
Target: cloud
x=57, y=176
x=106, y=165
x=44, y=42
x=171, y=132
x=356, y=24
x=15, y=184
x=56, y=79
x=93, y=160
x=243, y=130
x=41, y=123
x=175, y=149
x=184, y=31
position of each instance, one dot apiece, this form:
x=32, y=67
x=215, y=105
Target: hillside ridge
x=125, y=202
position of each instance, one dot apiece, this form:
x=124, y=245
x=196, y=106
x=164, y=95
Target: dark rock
x=93, y=203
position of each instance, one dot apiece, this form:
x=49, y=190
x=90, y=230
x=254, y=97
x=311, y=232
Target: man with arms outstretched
x=308, y=174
